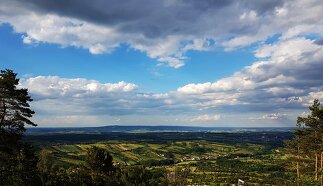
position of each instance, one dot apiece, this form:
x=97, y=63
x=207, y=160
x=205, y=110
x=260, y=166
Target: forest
x=153, y=158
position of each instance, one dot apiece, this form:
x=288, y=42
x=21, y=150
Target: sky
x=224, y=63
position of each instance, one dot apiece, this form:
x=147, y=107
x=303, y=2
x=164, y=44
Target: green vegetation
x=305, y=150
x=131, y=152
x=195, y=161
x=17, y=159
x=154, y=158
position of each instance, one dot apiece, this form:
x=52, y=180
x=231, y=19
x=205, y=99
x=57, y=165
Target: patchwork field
x=131, y=153
x=201, y=158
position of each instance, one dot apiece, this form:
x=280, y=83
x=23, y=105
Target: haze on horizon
x=166, y=62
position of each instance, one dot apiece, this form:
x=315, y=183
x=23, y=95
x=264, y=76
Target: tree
x=307, y=144
x=26, y=170
x=134, y=176
x=100, y=165
x=14, y=106
x=99, y=160
x=313, y=123
x=44, y=165
x=295, y=148
x=17, y=159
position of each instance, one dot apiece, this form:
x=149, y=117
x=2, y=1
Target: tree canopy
x=306, y=148
x=17, y=159
x=100, y=160
x=15, y=110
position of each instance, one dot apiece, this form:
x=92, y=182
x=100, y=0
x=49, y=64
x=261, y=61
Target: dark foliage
x=14, y=105
x=17, y=159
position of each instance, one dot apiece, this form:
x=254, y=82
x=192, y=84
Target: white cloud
x=274, y=116
x=250, y=16
x=196, y=88
x=291, y=68
x=164, y=37
x=285, y=19
x=207, y=117
x=285, y=80
x=286, y=76
x=67, y=120
x=283, y=90
x=54, y=86
x=172, y=61
x=225, y=84
x=307, y=100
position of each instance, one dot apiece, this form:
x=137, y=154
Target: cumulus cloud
x=289, y=73
x=54, y=86
x=207, y=117
x=274, y=116
x=101, y=26
x=287, y=77
x=56, y=95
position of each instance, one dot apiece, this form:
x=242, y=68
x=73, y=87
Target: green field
x=205, y=158
x=125, y=152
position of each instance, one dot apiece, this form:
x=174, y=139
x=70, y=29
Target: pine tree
x=307, y=144
x=99, y=160
x=100, y=165
x=313, y=124
x=297, y=149
x=14, y=106
x=44, y=165
x=17, y=159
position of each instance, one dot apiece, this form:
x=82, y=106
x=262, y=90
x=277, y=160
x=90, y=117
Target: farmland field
x=197, y=157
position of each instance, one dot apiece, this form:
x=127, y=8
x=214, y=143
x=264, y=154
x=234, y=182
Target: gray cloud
x=262, y=7
x=152, y=18
x=165, y=30
x=274, y=116
x=319, y=41
x=286, y=77
x=281, y=83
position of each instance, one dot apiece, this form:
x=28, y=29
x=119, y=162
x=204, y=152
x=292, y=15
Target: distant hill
x=139, y=128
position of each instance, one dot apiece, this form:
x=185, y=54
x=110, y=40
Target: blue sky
x=123, y=64
x=210, y=63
